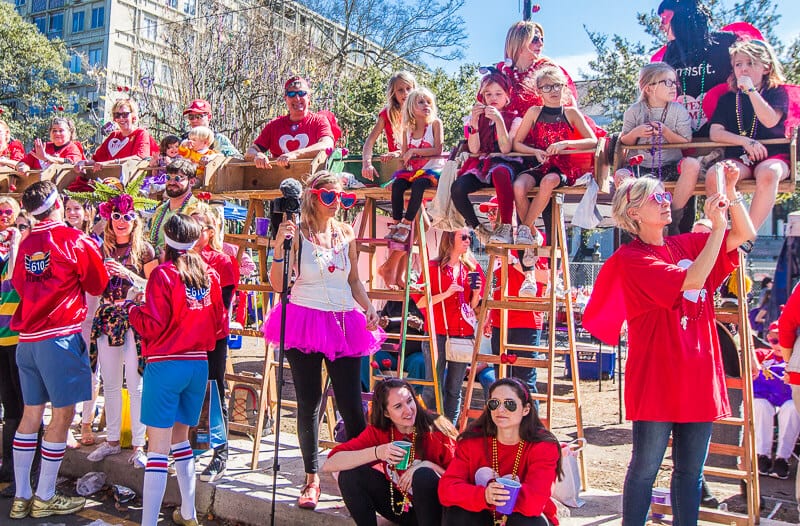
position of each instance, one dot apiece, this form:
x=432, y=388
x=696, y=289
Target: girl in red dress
x=369, y=462
x=508, y=440
x=664, y=287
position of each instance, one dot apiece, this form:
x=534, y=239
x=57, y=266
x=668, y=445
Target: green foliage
x=32, y=75
x=104, y=192
x=454, y=97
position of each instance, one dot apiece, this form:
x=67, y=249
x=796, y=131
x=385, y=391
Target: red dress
x=15, y=151
x=552, y=129
x=391, y=142
x=674, y=370
x=524, y=94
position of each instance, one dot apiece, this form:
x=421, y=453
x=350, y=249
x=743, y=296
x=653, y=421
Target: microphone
x=286, y=205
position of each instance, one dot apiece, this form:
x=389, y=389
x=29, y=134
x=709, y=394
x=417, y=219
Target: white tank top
x=322, y=283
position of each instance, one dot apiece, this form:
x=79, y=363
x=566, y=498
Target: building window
x=38, y=6
x=55, y=4
x=166, y=74
x=19, y=3
x=172, y=3
x=147, y=66
x=77, y=21
x=41, y=23
x=150, y=28
x=95, y=56
x=98, y=17
x=56, y=26
x=75, y=64
x=189, y=6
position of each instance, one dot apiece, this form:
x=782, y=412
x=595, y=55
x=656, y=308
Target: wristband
x=739, y=200
x=277, y=260
x=750, y=90
x=376, y=453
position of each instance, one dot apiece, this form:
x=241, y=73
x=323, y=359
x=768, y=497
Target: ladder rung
x=248, y=332
x=501, y=248
x=386, y=294
x=709, y=515
x=542, y=397
x=526, y=348
x=730, y=421
x=726, y=449
x=375, y=241
x=727, y=473
x=726, y=310
x=245, y=379
x=520, y=362
x=536, y=305
x=733, y=383
x=412, y=337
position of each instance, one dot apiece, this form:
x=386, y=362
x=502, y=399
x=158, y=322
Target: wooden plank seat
x=702, y=146
x=230, y=174
x=60, y=174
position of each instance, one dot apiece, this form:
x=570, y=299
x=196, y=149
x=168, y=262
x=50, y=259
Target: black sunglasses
x=291, y=94
x=466, y=237
x=494, y=403
x=121, y=114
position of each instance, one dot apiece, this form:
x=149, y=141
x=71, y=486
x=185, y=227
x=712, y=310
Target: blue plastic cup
x=262, y=226
x=513, y=487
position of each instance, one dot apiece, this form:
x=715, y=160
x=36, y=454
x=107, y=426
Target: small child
x=167, y=152
x=492, y=129
x=770, y=396
x=197, y=148
x=547, y=131
x=656, y=119
x=422, y=139
x=755, y=108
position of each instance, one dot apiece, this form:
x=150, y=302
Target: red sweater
x=175, y=322
x=15, y=151
x=117, y=146
x=537, y=472
x=55, y=265
x=436, y=446
x=70, y=151
x=228, y=270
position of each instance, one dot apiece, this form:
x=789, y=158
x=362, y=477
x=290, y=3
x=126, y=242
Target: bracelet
x=376, y=453
x=750, y=90
x=277, y=260
x=739, y=200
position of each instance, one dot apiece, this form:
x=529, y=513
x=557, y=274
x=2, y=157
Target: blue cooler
x=235, y=340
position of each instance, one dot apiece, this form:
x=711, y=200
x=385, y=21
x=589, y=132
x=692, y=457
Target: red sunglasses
x=329, y=197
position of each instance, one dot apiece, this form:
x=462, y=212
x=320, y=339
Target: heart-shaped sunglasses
x=329, y=197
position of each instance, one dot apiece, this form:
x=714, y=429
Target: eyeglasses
x=193, y=116
x=178, y=178
x=121, y=114
x=291, y=94
x=6, y=212
x=466, y=237
x=547, y=88
x=494, y=404
x=23, y=226
x=329, y=197
x=661, y=197
x=116, y=216
x=666, y=82
x=537, y=40
x=773, y=340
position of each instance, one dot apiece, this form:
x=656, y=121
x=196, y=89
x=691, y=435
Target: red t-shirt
x=789, y=320
x=457, y=327
x=391, y=142
x=15, y=151
x=537, y=472
x=518, y=319
x=228, y=270
x=116, y=146
x=69, y=151
x=673, y=374
x=281, y=135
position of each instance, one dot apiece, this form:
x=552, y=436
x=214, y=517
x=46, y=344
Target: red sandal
x=310, y=501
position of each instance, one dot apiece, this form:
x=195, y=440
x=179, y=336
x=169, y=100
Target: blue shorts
x=55, y=370
x=173, y=391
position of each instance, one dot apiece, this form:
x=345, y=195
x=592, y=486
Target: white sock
x=52, y=454
x=24, y=451
x=155, y=483
x=184, y=469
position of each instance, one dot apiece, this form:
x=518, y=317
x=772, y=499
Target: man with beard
x=181, y=176
x=299, y=134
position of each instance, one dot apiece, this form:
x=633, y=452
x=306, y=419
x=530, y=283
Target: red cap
x=488, y=205
x=296, y=83
x=773, y=327
x=198, y=106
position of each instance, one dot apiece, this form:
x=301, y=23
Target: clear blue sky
x=563, y=20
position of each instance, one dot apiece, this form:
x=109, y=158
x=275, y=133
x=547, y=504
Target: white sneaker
x=503, y=235
x=524, y=235
x=529, y=257
x=138, y=459
x=528, y=289
x=483, y=233
x=103, y=451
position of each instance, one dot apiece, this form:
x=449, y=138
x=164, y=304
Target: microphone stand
x=287, y=246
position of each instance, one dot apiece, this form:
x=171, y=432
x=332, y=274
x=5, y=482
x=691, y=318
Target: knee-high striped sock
x=52, y=454
x=24, y=451
x=155, y=483
x=184, y=469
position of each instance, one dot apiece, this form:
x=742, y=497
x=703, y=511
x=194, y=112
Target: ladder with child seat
x=557, y=252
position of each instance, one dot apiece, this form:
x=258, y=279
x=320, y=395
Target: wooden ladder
x=559, y=260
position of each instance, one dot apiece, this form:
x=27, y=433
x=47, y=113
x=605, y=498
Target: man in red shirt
x=299, y=134
x=55, y=267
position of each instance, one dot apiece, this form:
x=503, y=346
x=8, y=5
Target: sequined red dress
x=550, y=127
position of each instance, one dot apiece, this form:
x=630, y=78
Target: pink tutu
x=312, y=330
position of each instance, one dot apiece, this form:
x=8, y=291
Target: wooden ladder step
x=245, y=379
x=728, y=473
x=730, y=421
x=248, y=332
x=520, y=361
x=412, y=337
x=528, y=304
x=726, y=449
x=566, y=399
x=706, y=514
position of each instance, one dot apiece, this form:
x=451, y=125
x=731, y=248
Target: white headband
x=47, y=205
x=178, y=245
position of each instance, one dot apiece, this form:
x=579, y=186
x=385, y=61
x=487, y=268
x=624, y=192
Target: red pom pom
x=345, y=152
x=636, y=160
x=374, y=364
x=536, y=8
x=386, y=362
x=119, y=88
x=61, y=108
x=126, y=88
x=328, y=151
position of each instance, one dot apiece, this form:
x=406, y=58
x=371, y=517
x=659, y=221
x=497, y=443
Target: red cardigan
x=537, y=472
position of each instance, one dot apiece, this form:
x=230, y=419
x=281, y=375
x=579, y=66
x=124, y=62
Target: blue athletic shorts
x=173, y=391
x=55, y=370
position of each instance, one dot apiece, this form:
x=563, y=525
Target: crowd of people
x=94, y=291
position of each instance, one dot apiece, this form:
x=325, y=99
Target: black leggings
x=459, y=194
x=10, y=390
x=345, y=375
x=399, y=187
x=217, y=360
x=456, y=516
x=365, y=491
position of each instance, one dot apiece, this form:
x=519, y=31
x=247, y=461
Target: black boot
x=707, y=499
x=7, y=469
x=216, y=468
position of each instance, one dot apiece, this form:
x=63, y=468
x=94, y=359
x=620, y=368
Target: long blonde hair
x=409, y=120
x=394, y=110
x=760, y=51
x=446, y=244
x=137, y=242
x=519, y=36
x=213, y=219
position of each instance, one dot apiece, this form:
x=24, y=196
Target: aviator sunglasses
x=494, y=404
x=329, y=197
x=300, y=93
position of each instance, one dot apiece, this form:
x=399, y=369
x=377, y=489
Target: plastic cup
x=403, y=464
x=660, y=496
x=473, y=279
x=262, y=226
x=513, y=487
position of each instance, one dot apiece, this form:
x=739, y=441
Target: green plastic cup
x=403, y=464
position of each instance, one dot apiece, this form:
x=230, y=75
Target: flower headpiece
x=110, y=195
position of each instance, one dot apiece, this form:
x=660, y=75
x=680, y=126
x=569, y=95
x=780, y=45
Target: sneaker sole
x=40, y=514
x=775, y=476
x=211, y=477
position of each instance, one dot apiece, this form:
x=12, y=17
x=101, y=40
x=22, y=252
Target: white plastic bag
x=586, y=214
x=90, y=483
x=567, y=490
x=443, y=214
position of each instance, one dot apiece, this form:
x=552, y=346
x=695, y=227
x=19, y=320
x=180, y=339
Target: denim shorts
x=173, y=391
x=55, y=370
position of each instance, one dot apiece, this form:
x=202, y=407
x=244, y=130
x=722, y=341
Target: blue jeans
x=451, y=379
x=689, y=450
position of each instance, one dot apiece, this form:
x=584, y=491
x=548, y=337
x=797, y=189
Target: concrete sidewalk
x=243, y=495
